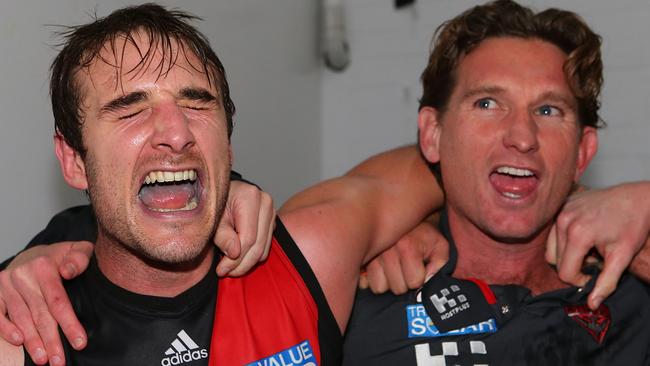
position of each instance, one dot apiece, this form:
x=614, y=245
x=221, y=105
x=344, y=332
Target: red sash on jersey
x=268, y=313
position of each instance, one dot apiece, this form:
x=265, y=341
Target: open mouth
x=170, y=191
x=513, y=182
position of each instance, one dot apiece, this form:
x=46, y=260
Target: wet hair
x=504, y=18
x=168, y=32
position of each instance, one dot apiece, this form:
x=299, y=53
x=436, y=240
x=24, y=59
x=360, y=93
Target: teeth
x=515, y=171
x=511, y=195
x=167, y=176
x=189, y=206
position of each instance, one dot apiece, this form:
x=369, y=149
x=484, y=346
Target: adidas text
x=181, y=358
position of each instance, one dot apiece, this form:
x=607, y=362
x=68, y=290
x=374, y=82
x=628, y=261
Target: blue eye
x=547, y=110
x=485, y=103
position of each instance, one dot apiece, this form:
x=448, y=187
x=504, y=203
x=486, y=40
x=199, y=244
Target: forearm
x=406, y=191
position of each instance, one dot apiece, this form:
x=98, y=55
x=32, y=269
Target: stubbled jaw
x=512, y=182
x=170, y=191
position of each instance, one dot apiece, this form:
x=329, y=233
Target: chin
x=173, y=253
x=514, y=233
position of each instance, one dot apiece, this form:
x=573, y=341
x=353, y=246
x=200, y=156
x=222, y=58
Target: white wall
x=297, y=122
x=373, y=105
x=271, y=59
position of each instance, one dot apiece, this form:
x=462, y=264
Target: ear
x=72, y=166
x=586, y=150
x=429, y=130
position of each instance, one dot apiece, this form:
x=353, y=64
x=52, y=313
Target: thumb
x=76, y=259
x=437, y=259
x=227, y=240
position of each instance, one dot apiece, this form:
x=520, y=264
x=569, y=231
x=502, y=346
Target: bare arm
x=342, y=223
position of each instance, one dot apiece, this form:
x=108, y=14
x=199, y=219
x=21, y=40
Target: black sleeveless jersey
x=467, y=322
x=125, y=328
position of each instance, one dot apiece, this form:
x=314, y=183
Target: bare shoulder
x=330, y=229
x=11, y=355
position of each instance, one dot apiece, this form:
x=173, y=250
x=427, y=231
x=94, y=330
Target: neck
x=500, y=263
x=135, y=273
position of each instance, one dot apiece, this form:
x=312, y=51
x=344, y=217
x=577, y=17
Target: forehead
x=135, y=61
x=531, y=62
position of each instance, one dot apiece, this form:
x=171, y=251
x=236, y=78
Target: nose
x=521, y=133
x=171, y=129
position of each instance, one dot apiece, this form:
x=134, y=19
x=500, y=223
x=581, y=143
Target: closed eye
x=127, y=116
x=196, y=108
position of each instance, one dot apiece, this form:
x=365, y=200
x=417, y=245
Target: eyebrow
x=124, y=101
x=559, y=97
x=488, y=89
x=198, y=94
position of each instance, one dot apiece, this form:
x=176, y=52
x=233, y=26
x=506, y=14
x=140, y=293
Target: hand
x=33, y=297
x=409, y=263
x=614, y=221
x=245, y=230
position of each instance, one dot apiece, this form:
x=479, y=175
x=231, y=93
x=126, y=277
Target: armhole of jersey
x=328, y=330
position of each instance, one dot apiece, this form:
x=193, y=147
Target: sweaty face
x=509, y=142
x=158, y=155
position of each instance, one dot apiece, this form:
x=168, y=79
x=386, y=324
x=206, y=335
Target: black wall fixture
x=403, y=3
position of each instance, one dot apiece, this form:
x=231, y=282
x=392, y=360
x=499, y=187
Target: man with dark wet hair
x=143, y=121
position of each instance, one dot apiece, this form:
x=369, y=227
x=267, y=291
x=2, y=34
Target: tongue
x=520, y=186
x=168, y=196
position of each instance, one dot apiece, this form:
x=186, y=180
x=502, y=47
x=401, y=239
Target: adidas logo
x=183, y=349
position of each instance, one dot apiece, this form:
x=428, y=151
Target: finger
x=76, y=259
x=570, y=270
x=257, y=251
x=22, y=318
x=437, y=258
x=561, y=226
x=246, y=262
x=376, y=278
x=226, y=238
x=615, y=265
x=394, y=272
x=61, y=309
x=225, y=266
x=269, y=240
x=363, y=280
x=572, y=254
x=551, y=246
x=8, y=330
x=266, y=224
x=245, y=211
x=43, y=338
x=412, y=267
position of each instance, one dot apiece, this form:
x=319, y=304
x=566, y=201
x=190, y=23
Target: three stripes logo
x=183, y=349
